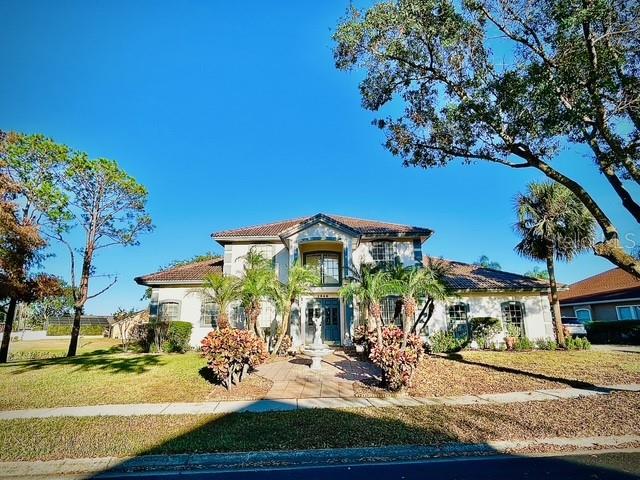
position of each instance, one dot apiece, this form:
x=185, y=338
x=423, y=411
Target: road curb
x=114, y=466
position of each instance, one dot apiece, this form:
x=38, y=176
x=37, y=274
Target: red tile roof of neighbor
x=464, y=276
x=194, y=272
x=611, y=281
x=361, y=226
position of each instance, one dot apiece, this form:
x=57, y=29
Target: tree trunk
x=286, y=319
x=75, y=332
x=223, y=320
x=555, y=302
x=8, y=326
x=627, y=201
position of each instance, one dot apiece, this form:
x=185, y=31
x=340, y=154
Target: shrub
x=513, y=331
x=622, y=332
x=577, y=343
x=546, y=344
x=56, y=330
x=141, y=334
x=230, y=353
x=523, y=343
x=362, y=336
x=285, y=346
x=177, y=338
x=445, y=342
x=483, y=329
x=34, y=355
x=397, y=364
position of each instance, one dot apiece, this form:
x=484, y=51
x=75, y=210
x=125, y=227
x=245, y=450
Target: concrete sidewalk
x=106, y=467
x=267, y=405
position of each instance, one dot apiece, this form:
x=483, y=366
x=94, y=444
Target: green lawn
x=477, y=372
x=58, y=347
x=55, y=438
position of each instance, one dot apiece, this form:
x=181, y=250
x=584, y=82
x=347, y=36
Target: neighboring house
x=608, y=296
x=123, y=326
x=336, y=244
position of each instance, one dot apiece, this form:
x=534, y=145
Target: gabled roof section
x=184, y=274
x=467, y=277
x=601, y=286
x=357, y=225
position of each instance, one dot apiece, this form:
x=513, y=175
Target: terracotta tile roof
x=465, y=276
x=364, y=227
x=612, y=281
x=185, y=273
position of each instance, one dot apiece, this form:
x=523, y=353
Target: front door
x=329, y=309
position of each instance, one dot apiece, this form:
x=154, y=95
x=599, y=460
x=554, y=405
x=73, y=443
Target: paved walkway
x=269, y=405
x=294, y=379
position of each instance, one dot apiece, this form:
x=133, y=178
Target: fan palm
x=554, y=225
x=257, y=283
x=223, y=291
x=370, y=287
x=299, y=283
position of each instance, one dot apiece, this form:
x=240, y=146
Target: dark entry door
x=329, y=309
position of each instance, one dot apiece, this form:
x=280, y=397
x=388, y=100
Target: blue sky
x=232, y=114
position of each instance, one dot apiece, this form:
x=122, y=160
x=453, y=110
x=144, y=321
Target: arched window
x=513, y=314
x=583, y=315
x=458, y=321
x=169, y=311
x=209, y=314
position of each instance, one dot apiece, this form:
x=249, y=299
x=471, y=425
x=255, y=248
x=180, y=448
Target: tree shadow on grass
x=456, y=357
x=279, y=433
x=101, y=360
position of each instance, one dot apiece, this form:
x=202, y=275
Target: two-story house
x=336, y=244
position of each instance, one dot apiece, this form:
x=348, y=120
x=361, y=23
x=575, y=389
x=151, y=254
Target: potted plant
x=513, y=333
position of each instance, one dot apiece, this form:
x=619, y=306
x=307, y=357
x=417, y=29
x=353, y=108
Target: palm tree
x=414, y=284
x=554, y=225
x=485, y=262
x=223, y=291
x=257, y=283
x=301, y=279
x=370, y=287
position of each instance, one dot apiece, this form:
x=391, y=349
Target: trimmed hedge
x=621, y=331
x=178, y=335
x=56, y=330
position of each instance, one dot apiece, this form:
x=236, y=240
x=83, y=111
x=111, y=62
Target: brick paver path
x=292, y=378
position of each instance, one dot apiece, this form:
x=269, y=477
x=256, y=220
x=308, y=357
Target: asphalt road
x=606, y=466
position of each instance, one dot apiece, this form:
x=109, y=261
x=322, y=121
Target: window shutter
x=417, y=251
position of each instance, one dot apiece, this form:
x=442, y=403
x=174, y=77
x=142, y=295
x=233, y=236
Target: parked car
x=574, y=327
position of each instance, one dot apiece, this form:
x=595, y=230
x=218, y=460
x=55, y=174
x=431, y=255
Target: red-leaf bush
x=397, y=364
x=231, y=353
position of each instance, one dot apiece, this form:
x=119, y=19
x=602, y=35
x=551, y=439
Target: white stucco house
x=335, y=244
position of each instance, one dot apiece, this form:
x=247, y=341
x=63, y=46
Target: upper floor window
x=457, y=317
x=169, y=312
x=513, y=313
x=209, y=314
x=583, y=315
x=383, y=252
x=628, y=312
x=327, y=264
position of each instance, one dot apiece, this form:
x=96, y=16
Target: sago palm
x=223, y=291
x=301, y=279
x=257, y=283
x=554, y=225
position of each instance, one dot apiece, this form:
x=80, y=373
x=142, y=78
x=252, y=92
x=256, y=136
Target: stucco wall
x=404, y=248
x=537, y=320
